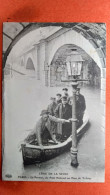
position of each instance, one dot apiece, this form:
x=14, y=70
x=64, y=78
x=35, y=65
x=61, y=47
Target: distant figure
x=64, y=111
x=80, y=107
x=58, y=98
x=42, y=131
x=51, y=107
x=65, y=93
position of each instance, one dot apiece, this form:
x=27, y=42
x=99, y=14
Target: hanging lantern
x=74, y=64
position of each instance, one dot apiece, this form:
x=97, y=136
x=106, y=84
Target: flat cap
x=58, y=94
x=52, y=98
x=78, y=88
x=65, y=89
x=44, y=112
x=64, y=98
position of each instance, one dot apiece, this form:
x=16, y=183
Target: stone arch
x=72, y=37
x=30, y=64
x=89, y=66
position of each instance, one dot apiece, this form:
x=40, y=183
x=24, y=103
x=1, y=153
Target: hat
x=58, y=94
x=65, y=89
x=52, y=98
x=64, y=98
x=44, y=112
x=66, y=94
x=78, y=88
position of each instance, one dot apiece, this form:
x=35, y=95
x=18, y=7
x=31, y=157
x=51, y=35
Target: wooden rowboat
x=34, y=154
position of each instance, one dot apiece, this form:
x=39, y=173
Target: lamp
x=74, y=64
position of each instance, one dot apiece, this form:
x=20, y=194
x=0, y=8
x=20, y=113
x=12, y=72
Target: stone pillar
x=38, y=62
x=42, y=60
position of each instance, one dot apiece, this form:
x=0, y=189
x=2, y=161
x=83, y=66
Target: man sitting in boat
x=64, y=111
x=42, y=131
x=80, y=107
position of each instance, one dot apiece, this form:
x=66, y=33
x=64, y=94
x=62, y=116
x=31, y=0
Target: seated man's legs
x=45, y=136
x=30, y=138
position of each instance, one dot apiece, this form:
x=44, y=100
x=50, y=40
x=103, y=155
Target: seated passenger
x=42, y=131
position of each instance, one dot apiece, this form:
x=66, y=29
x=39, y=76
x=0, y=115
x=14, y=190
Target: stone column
x=42, y=60
x=38, y=61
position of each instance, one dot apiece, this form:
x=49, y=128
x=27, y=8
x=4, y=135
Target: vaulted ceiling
x=13, y=32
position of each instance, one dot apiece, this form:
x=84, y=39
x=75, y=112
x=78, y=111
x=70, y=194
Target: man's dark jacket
x=64, y=113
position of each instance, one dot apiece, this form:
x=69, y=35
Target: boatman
x=58, y=98
x=64, y=111
x=80, y=107
x=42, y=131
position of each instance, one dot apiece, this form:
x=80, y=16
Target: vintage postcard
x=54, y=77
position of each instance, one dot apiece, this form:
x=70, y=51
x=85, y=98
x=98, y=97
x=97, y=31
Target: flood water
x=24, y=99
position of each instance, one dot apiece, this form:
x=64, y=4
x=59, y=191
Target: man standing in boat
x=80, y=107
x=65, y=93
x=51, y=109
x=58, y=98
x=42, y=131
x=64, y=111
x=52, y=106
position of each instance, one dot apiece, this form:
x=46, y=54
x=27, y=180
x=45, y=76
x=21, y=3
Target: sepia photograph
x=53, y=102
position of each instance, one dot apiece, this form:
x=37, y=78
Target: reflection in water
x=24, y=101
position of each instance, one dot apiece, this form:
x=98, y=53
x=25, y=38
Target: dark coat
x=80, y=104
x=80, y=108
x=59, y=101
x=64, y=113
x=68, y=98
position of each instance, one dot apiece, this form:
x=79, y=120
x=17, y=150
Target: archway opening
x=30, y=64
x=58, y=69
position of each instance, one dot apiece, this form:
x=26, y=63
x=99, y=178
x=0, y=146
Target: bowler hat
x=44, y=112
x=52, y=98
x=58, y=94
x=78, y=88
x=65, y=89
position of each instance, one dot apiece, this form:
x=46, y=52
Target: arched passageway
x=58, y=67
x=30, y=64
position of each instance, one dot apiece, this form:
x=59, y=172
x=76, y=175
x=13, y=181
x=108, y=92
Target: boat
x=34, y=154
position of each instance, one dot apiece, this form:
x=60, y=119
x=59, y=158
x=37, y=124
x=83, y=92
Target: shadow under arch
x=83, y=26
x=90, y=69
x=30, y=64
